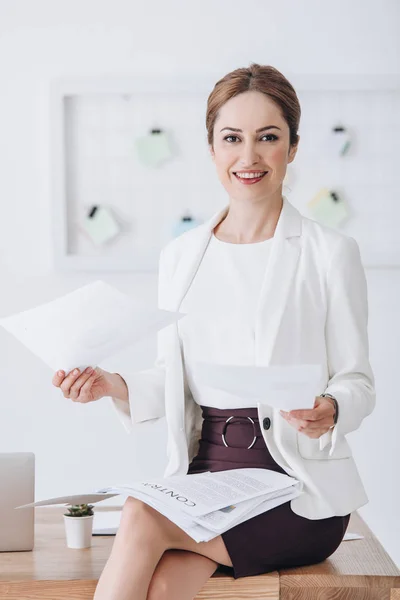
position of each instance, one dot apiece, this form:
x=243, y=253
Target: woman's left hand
x=313, y=422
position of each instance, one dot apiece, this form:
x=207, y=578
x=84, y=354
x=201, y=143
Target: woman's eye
x=271, y=135
x=268, y=135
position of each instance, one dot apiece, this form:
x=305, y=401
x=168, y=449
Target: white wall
x=79, y=447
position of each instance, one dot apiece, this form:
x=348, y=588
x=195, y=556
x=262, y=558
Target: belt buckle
x=238, y=417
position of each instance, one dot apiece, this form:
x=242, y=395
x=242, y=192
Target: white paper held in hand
x=85, y=326
x=287, y=387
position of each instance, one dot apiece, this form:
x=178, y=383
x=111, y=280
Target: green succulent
x=80, y=510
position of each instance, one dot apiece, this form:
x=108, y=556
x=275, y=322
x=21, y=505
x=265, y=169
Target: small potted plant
x=78, y=525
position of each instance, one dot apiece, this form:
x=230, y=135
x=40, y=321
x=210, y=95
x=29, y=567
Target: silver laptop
x=17, y=486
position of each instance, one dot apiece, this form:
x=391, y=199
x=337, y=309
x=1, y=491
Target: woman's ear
x=293, y=150
x=211, y=149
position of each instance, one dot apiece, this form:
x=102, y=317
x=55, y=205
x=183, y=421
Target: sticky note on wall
x=100, y=225
x=153, y=149
x=328, y=208
x=339, y=141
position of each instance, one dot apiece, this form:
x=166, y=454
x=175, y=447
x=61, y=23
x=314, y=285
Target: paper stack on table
x=204, y=505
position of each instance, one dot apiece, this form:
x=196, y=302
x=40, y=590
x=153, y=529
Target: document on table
x=204, y=504
x=85, y=326
x=348, y=536
x=107, y=522
x=286, y=387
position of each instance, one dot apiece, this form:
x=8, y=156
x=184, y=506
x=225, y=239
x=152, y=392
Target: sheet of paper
x=352, y=536
x=220, y=520
x=85, y=326
x=74, y=499
x=107, y=522
x=284, y=387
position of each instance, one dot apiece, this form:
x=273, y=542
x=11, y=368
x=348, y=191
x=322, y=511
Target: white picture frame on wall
x=202, y=195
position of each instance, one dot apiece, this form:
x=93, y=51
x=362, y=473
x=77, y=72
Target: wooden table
x=359, y=570
x=52, y=571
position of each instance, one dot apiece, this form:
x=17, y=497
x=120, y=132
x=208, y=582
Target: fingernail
x=76, y=371
x=88, y=370
x=60, y=373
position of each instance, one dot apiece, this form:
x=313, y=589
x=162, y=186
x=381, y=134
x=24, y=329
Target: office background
x=81, y=447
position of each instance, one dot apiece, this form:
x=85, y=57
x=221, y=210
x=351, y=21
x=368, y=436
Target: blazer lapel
x=191, y=259
x=278, y=279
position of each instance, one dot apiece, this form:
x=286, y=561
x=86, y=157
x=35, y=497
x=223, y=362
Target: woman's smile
x=249, y=178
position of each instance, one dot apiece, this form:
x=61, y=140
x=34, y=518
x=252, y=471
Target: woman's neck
x=247, y=224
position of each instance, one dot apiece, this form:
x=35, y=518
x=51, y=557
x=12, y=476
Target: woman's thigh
x=180, y=575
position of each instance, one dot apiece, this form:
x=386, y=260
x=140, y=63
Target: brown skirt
x=278, y=538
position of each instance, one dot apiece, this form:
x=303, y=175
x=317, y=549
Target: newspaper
x=206, y=504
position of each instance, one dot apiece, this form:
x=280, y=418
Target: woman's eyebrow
x=257, y=130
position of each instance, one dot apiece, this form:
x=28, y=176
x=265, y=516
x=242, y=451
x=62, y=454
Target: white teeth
x=250, y=175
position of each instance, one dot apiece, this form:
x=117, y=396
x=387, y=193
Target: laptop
x=17, y=486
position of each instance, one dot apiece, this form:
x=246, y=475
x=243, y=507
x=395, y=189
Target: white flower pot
x=78, y=531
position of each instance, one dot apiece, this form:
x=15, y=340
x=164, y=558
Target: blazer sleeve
x=351, y=380
x=146, y=388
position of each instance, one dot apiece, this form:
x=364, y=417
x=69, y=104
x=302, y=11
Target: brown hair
x=260, y=78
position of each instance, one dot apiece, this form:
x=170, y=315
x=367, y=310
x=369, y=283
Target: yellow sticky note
x=328, y=208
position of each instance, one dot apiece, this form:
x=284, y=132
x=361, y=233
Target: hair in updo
x=260, y=78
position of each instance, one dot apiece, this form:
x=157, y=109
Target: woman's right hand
x=83, y=387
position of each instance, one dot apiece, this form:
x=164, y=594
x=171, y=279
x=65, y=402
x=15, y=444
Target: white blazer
x=313, y=310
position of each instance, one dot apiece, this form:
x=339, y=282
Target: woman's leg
x=142, y=538
x=180, y=575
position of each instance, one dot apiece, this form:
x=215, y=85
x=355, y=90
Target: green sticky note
x=100, y=225
x=153, y=149
x=328, y=208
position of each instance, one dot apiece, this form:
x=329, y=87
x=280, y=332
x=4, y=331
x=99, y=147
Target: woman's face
x=246, y=149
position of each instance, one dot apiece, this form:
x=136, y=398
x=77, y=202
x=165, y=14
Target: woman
x=260, y=284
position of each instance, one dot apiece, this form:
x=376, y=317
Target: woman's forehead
x=249, y=111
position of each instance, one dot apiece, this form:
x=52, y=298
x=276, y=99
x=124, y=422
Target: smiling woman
x=252, y=121
x=259, y=284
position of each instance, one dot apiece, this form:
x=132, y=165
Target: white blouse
x=221, y=304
